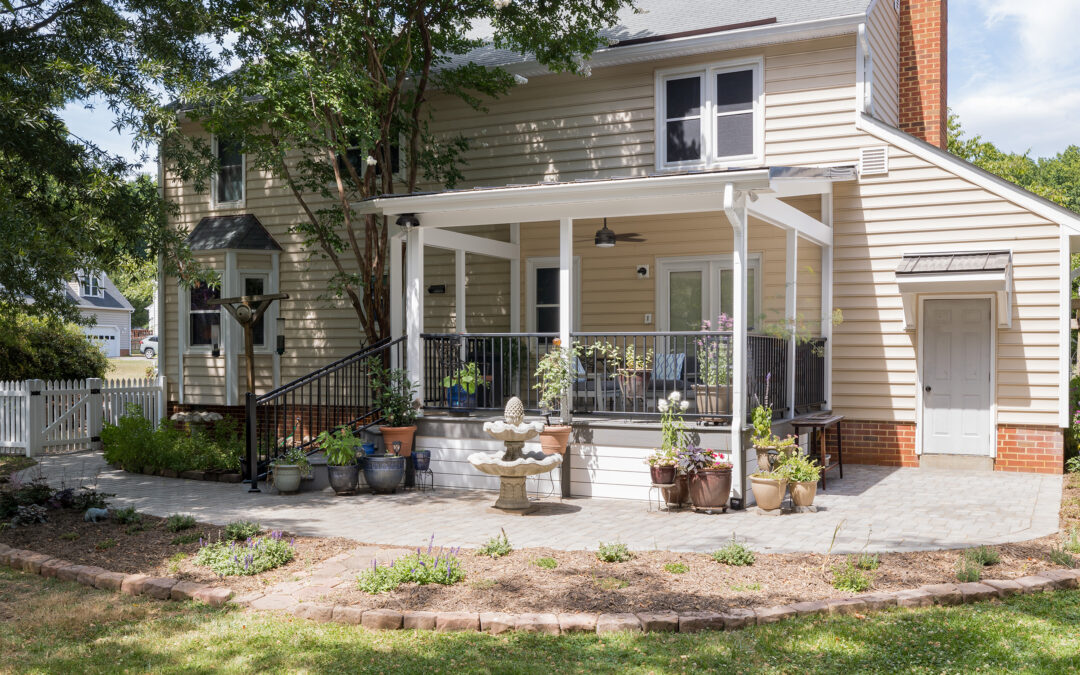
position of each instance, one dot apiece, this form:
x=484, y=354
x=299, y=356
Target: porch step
x=957, y=462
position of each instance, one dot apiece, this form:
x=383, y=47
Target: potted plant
x=803, y=474
x=712, y=392
x=663, y=461
x=662, y=466
x=394, y=397
x=461, y=387
x=709, y=475
x=555, y=373
x=769, y=488
x=289, y=468
x=341, y=466
x=384, y=472
x=632, y=370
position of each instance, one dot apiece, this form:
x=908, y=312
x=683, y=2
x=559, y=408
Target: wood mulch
x=150, y=550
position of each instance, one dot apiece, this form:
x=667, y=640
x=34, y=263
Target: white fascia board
x=457, y=241
x=779, y=214
x=742, y=38
x=962, y=169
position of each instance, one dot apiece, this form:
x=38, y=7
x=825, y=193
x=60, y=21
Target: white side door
x=956, y=377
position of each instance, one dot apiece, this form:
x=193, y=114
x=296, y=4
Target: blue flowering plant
x=432, y=566
x=252, y=556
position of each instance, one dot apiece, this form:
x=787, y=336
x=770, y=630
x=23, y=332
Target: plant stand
x=425, y=480
x=656, y=492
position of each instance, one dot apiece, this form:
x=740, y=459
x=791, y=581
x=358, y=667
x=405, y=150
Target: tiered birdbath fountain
x=514, y=465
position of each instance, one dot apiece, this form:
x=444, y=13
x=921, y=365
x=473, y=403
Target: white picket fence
x=35, y=415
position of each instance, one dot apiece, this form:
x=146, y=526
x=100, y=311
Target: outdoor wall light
x=408, y=220
x=215, y=339
x=280, y=335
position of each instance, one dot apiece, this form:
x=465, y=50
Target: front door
x=956, y=377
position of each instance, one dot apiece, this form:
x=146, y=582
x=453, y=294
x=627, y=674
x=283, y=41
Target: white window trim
x=713, y=264
x=399, y=175
x=214, y=180
x=97, y=287
x=708, y=73
x=269, y=316
x=533, y=264
x=185, y=321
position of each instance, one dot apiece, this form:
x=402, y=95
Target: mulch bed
x=109, y=545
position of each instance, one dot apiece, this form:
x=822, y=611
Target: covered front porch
x=716, y=285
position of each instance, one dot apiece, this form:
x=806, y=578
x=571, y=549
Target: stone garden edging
x=167, y=588
x=214, y=475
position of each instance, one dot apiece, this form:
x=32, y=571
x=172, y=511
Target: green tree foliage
x=324, y=82
x=47, y=349
x=65, y=204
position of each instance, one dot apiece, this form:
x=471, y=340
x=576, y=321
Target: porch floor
x=881, y=508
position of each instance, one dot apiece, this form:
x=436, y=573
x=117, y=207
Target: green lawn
x=128, y=366
x=51, y=626
x=10, y=464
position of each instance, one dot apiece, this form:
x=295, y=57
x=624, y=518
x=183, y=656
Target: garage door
x=105, y=337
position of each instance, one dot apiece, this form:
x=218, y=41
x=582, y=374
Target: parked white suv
x=148, y=346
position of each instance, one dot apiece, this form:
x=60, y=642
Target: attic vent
x=874, y=160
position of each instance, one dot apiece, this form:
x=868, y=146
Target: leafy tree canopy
x=66, y=205
x=325, y=82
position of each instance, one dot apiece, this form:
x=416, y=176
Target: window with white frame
x=229, y=181
x=694, y=290
x=543, y=293
x=202, y=316
x=255, y=284
x=709, y=116
x=91, y=286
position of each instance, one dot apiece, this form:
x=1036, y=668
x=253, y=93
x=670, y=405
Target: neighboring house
x=774, y=161
x=98, y=298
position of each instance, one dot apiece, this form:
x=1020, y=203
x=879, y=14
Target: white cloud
x=1045, y=28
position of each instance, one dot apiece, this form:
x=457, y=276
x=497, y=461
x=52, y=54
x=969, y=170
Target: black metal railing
x=809, y=375
x=497, y=366
x=294, y=414
x=766, y=374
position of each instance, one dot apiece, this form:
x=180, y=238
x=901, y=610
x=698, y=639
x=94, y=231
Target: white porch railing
x=35, y=414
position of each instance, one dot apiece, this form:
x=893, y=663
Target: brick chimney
x=923, y=69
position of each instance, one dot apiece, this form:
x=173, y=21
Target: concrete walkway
x=881, y=508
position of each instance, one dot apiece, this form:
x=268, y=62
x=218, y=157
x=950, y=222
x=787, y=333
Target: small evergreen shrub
x=242, y=530
x=179, y=521
x=1072, y=543
x=867, y=561
x=105, y=544
x=613, y=552
x=735, y=554
x=135, y=528
x=186, y=538
x=417, y=568
x=546, y=563
x=1062, y=558
x=968, y=570
x=256, y=555
x=496, y=547
x=848, y=577
x=127, y=516
x=983, y=555
x=676, y=568
x=87, y=498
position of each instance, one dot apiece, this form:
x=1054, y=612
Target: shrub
x=1072, y=544
x=1062, y=557
x=418, y=568
x=186, y=538
x=127, y=516
x=1072, y=465
x=251, y=557
x=88, y=498
x=179, y=521
x=867, y=561
x=105, y=544
x=848, y=577
x=242, y=530
x=30, y=514
x=49, y=350
x=968, y=569
x=546, y=563
x=983, y=555
x=734, y=554
x=676, y=568
x=134, y=442
x=496, y=547
x=613, y=552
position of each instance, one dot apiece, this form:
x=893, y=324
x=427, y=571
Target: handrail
x=329, y=368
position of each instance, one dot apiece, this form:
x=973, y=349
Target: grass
x=53, y=626
x=10, y=464
x=739, y=588
x=968, y=570
x=129, y=367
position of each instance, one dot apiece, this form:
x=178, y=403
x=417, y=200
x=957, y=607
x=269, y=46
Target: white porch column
x=566, y=292
x=735, y=209
x=515, y=280
x=459, y=290
x=414, y=306
x=827, y=297
x=791, y=271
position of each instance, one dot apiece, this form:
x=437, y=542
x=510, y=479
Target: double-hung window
x=710, y=116
x=202, y=316
x=91, y=286
x=255, y=284
x=229, y=181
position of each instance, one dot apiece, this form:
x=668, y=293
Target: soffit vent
x=873, y=161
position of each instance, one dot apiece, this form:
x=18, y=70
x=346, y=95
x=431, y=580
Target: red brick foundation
x=1036, y=449
x=1030, y=448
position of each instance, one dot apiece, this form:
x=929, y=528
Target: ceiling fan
x=605, y=237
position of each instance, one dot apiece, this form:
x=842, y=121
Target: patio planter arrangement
x=383, y=473
x=289, y=469
x=341, y=467
x=555, y=374
x=395, y=396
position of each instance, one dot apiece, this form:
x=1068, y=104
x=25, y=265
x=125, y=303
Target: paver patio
x=881, y=508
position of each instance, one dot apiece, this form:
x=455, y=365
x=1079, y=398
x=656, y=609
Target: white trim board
x=548, y=262
x=714, y=264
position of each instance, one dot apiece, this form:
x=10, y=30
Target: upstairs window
x=91, y=286
x=229, y=181
x=709, y=116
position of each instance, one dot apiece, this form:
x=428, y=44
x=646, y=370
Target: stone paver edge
x=166, y=588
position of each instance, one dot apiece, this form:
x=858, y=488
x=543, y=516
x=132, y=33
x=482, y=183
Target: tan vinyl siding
x=918, y=207
x=882, y=32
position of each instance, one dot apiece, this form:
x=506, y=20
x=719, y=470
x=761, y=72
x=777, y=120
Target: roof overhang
x=974, y=272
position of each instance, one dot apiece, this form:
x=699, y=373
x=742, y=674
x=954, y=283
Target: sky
x=1014, y=78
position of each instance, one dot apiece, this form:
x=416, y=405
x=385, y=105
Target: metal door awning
x=963, y=272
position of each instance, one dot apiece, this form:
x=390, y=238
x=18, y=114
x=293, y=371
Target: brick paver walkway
x=882, y=508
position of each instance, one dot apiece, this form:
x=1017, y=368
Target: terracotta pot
x=710, y=488
x=680, y=494
x=403, y=434
x=803, y=493
x=662, y=475
x=633, y=383
x=553, y=439
x=712, y=399
x=768, y=492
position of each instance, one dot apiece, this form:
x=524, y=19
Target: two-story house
x=781, y=163
x=98, y=299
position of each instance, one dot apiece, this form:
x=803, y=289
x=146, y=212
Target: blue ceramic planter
x=369, y=449
x=383, y=473
x=459, y=399
x=421, y=459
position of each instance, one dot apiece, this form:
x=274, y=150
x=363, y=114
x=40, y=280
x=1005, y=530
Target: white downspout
x=735, y=209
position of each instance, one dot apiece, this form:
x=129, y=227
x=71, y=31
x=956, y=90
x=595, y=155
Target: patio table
x=817, y=426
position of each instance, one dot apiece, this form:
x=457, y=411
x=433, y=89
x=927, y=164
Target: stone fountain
x=514, y=465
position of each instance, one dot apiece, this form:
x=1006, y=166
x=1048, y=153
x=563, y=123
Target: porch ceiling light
x=408, y=220
x=605, y=238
